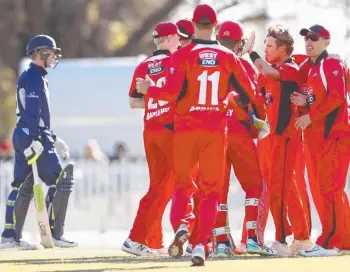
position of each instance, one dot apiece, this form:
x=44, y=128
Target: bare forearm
x=264, y=67
x=137, y=103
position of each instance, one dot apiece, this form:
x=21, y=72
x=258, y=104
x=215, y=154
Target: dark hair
x=228, y=43
x=205, y=23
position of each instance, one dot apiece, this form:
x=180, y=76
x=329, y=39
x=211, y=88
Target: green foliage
x=7, y=100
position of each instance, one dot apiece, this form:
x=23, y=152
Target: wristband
x=254, y=56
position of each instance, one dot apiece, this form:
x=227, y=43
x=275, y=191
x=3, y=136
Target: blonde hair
x=282, y=36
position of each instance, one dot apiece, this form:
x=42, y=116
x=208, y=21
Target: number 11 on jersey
x=214, y=79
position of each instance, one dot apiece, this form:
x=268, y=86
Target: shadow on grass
x=121, y=260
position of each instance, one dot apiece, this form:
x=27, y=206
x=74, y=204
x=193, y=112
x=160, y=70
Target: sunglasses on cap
x=312, y=36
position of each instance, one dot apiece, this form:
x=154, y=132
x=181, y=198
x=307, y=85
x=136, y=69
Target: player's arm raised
x=264, y=67
x=240, y=80
x=257, y=101
x=175, y=80
x=136, y=100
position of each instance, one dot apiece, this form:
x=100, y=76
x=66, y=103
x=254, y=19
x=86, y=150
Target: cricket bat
x=41, y=211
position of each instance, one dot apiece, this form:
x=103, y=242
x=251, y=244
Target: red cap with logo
x=165, y=29
x=204, y=14
x=186, y=28
x=231, y=30
x=316, y=29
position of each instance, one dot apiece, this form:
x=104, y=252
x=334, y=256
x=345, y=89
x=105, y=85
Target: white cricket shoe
x=223, y=251
x=176, y=247
x=160, y=251
x=63, y=243
x=11, y=243
x=189, y=250
x=199, y=255
x=240, y=249
x=298, y=245
x=253, y=247
x=318, y=251
x=136, y=248
x=281, y=250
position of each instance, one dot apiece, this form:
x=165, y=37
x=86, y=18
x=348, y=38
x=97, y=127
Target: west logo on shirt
x=208, y=58
x=155, y=68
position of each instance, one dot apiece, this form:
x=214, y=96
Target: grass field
x=115, y=260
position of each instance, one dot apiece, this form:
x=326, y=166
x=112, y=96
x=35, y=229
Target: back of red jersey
x=209, y=76
x=158, y=113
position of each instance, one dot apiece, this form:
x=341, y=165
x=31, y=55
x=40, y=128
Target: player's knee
x=216, y=195
x=253, y=192
x=27, y=186
x=184, y=182
x=65, y=181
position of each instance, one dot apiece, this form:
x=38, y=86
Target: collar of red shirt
x=160, y=52
x=320, y=57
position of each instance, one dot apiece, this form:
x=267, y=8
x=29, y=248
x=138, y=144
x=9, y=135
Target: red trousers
x=283, y=189
x=331, y=164
x=147, y=228
x=208, y=149
x=299, y=177
x=242, y=156
x=310, y=151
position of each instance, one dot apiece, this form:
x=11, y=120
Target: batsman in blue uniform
x=32, y=135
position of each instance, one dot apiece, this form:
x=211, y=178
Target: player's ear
x=327, y=42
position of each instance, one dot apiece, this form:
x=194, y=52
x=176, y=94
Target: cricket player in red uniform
x=242, y=156
x=281, y=79
x=305, y=65
x=327, y=138
x=198, y=80
x=146, y=233
x=186, y=29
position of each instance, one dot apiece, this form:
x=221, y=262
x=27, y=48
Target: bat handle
x=35, y=173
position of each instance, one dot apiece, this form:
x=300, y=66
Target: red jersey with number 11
x=199, y=78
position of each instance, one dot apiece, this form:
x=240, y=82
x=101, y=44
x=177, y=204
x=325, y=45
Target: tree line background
x=91, y=28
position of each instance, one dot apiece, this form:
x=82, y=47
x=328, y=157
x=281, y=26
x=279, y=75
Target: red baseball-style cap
x=165, y=29
x=204, y=14
x=231, y=30
x=316, y=29
x=186, y=28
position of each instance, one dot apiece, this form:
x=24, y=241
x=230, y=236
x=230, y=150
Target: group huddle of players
x=207, y=108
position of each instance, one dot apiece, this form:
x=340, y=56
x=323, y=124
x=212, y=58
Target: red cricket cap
x=185, y=27
x=316, y=29
x=165, y=29
x=231, y=30
x=204, y=14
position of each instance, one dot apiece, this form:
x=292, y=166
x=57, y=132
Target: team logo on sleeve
x=335, y=73
x=208, y=58
x=155, y=68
